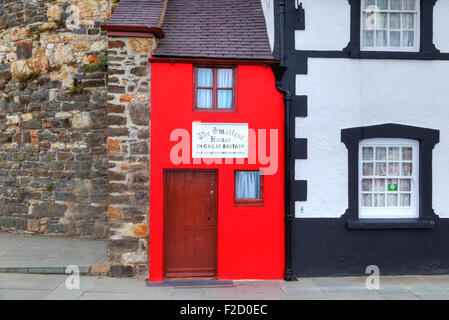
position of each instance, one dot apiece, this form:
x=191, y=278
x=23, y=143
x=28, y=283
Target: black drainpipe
x=288, y=175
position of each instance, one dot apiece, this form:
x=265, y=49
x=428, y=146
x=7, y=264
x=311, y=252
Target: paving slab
x=14, y=294
x=23, y=252
x=53, y=287
x=400, y=296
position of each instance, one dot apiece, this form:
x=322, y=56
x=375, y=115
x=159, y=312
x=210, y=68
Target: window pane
x=224, y=78
x=368, y=38
x=396, y=4
x=247, y=185
x=406, y=185
x=381, y=38
x=408, y=38
x=405, y=200
x=204, y=77
x=382, y=4
x=367, y=169
x=369, y=3
x=407, y=153
x=392, y=200
x=409, y=4
x=367, y=153
x=367, y=184
x=381, y=168
x=381, y=20
x=379, y=200
x=367, y=200
x=224, y=100
x=406, y=169
x=393, y=169
x=379, y=185
x=393, y=153
x=395, y=38
x=204, y=98
x=395, y=21
x=408, y=21
x=368, y=21
x=381, y=153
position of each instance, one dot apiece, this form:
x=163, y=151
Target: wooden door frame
x=164, y=226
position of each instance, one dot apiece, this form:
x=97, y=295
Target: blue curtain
x=204, y=96
x=224, y=80
x=247, y=185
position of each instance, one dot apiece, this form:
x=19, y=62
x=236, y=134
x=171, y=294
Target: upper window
x=248, y=188
x=390, y=25
x=214, y=89
x=388, y=178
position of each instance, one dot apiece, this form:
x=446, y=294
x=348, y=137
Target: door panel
x=190, y=223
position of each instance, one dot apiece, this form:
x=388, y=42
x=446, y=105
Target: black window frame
x=427, y=139
x=427, y=49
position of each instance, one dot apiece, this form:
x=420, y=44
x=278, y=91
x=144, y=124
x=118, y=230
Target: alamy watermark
x=373, y=280
x=73, y=281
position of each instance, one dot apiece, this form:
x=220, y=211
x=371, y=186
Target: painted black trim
x=299, y=191
x=299, y=107
x=427, y=51
x=427, y=139
x=300, y=148
x=301, y=21
x=325, y=247
x=361, y=224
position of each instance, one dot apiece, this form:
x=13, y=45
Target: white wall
x=345, y=93
x=441, y=25
x=268, y=11
x=327, y=25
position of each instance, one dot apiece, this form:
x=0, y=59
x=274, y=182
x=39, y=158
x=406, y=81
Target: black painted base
x=326, y=247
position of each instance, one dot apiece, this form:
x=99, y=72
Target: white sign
x=219, y=140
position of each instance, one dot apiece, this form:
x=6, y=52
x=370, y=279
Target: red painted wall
x=250, y=239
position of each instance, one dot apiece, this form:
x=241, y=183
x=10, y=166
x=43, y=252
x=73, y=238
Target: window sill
x=428, y=55
x=361, y=224
x=248, y=203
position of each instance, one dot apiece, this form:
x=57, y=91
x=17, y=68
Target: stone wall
x=53, y=162
x=128, y=149
x=74, y=138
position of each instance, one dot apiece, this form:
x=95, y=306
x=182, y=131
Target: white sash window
x=390, y=25
x=388, y=178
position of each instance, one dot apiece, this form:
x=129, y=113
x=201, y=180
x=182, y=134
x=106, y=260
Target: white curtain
x=224, y=80
x=204, y=96
x=247, y=185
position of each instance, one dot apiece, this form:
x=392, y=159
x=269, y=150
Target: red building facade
x=249, y=236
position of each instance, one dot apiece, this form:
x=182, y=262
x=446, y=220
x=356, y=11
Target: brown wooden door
x=190, y=223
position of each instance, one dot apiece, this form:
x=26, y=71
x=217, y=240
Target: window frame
x=214, y=88
x=427, y=139
x=427, y=49
x=398, y=211
x=249, y=202
x=417, y=31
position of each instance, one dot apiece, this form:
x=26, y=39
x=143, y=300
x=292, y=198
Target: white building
x=370, y=151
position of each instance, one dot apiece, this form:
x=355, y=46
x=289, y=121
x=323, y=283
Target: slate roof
x=214, y=29
x=137, y=13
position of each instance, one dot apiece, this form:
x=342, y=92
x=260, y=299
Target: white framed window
x=390, y=25
x=388, y=178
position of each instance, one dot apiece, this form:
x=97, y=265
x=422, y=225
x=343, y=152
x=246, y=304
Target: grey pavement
x=31, y=251
x=40, y=287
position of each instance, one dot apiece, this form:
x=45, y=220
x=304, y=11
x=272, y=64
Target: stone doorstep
x=97, y=270
x=194, y=283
